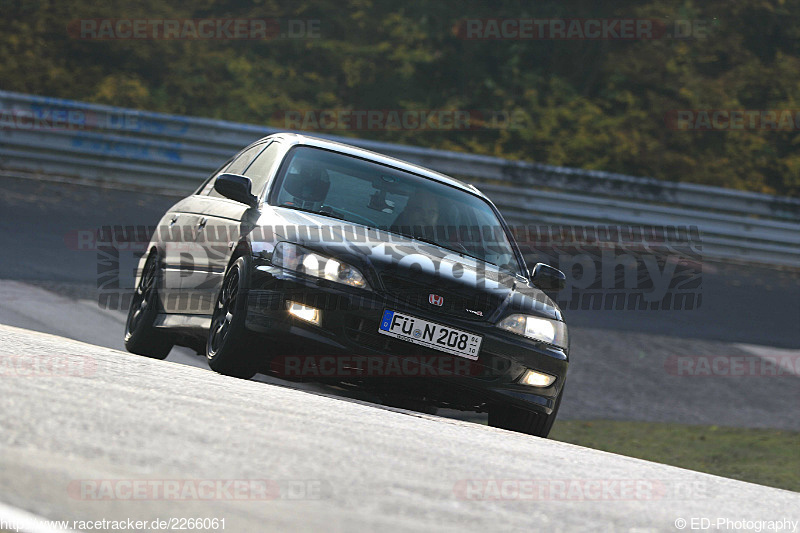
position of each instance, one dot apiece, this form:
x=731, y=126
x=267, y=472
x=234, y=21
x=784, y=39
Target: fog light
x=536, y=379
x=304, y=312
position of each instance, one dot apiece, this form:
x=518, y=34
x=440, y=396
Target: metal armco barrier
x=111, y=144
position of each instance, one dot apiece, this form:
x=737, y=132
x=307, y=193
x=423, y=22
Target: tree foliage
x=596, y=104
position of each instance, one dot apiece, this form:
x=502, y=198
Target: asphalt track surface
x=82, y=425
x=620, y=359
x=89, y=413
x=746, y=304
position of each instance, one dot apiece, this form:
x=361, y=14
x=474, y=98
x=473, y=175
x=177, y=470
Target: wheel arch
x=242, y=248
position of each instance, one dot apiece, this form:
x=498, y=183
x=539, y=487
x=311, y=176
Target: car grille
x=415, y=294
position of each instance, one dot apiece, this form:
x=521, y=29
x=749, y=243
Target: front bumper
x=348, y=335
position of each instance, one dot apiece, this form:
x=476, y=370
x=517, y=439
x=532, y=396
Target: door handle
x=202, y=223
x=173, y=220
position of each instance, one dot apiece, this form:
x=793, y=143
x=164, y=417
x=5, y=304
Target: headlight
x=297, y=258
x=537, y=328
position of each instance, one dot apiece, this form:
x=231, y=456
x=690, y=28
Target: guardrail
x=71, y=138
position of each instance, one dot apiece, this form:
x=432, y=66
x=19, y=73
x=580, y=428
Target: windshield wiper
x=463, y=253
x=306, y=210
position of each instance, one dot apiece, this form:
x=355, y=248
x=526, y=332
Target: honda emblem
x=435, y=299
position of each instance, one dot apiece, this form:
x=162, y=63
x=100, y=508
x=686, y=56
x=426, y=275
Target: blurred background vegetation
x=592, y=104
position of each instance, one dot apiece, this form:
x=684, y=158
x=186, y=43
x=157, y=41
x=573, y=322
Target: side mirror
x=548, y=278
x=236, y=188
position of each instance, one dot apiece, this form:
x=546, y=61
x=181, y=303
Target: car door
x=174, y=231
x=222, y=223
x=177, y=231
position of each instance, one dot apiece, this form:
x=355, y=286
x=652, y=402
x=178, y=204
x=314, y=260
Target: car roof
x=347, y=149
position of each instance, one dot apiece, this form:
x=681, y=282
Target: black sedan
x=314, y=260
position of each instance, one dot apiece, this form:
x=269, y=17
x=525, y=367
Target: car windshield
x=374, y=195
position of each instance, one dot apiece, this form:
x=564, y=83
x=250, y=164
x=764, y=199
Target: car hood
x=411, y=270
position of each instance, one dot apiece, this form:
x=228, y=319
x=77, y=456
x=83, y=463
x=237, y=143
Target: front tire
x=229, y=348
x=141, y=337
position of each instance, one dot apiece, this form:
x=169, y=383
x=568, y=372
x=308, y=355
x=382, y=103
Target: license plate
x=443, y=338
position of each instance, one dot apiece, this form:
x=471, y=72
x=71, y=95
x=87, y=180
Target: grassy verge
x=764, y=456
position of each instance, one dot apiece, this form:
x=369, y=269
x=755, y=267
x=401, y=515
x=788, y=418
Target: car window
x=243, y=161
x=236, y=167
x=375, y=195
x=208, y=185
x=259, y=170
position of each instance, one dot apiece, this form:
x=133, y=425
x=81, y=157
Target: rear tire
x=141, y=337
x=229, y=348
x=515, y=418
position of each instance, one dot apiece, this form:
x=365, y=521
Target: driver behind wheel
x=308, y=184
